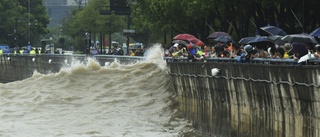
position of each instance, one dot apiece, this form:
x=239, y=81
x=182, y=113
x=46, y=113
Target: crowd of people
x=243, y=52
x=132, y=52
x=31, y=51
x=117, y=50
x=201, y=51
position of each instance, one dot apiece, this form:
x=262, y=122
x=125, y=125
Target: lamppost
x=15, y=31
x=16, y=26
x=29, y=24
x=119, y=7
x=88, y=42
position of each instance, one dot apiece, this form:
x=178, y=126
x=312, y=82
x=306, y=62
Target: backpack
x=120, y=52
x=115, y=52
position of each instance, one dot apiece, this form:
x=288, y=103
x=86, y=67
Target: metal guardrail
x=270, y=61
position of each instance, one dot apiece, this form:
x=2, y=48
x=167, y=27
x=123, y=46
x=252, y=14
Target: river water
x=89, y=100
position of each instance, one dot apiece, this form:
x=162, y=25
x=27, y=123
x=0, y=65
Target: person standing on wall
x=32, y=52
x=139, y=52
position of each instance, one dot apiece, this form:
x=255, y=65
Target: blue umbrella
x=315, y=33
x=245, y=40
x=224, y=39
x=260, y=40
x=218, y=34
x=272, y=30
x=300, y=38
x=277, y=39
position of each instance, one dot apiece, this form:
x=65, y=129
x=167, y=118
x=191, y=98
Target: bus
x=5, y=48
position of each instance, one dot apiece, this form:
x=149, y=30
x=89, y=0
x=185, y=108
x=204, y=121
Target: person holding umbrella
x=278, y=52
x=249, y=52
x=287, y=51
x=180, y=51
x=261, y=52
x=236, y=51
x=317, y=51
x=299, y=50
x=207, y=51
x=192, y=53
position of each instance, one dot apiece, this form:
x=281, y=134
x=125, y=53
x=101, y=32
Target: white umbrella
x=306, y=57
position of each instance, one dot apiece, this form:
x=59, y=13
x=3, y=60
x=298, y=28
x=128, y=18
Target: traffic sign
x=129, y=31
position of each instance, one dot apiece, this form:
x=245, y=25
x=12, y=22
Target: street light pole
x=88, y=42
x=15, y=32
x=303, y=4
x=29, y=24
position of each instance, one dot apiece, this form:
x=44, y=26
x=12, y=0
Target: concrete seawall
x=244, y=99
x=249, y=100
x=17, y=67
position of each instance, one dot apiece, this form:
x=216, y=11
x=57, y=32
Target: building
x=58, y=10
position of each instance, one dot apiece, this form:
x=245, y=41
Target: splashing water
x=87, y=100
x=155, y=55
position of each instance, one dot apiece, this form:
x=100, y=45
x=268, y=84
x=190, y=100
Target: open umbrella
x=299, y=49
x=315, y=33
x=245, y=40
x=224, y=39
x=277, y=39
x=272, y=30
x=196, y=42
x=306, y=57
x=182, y=42
x=260, y=40
x=184, y=37
x=217, y=34
x=300, y=38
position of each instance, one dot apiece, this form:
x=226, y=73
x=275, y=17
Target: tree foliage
x=160, y=20
x=88, y=19
x=239, y=18
x=14, y=22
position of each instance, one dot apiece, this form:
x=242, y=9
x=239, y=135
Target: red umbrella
x=218, y=34
x=196, y=42
x=187, y=37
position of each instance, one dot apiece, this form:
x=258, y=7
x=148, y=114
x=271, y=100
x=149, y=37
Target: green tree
x=88, y=19
x=239, y=18
x=14, y=15
x=9, y=10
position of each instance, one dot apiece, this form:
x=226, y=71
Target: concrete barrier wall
x=249, y=100
x=244, y=99
x=18, y=67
